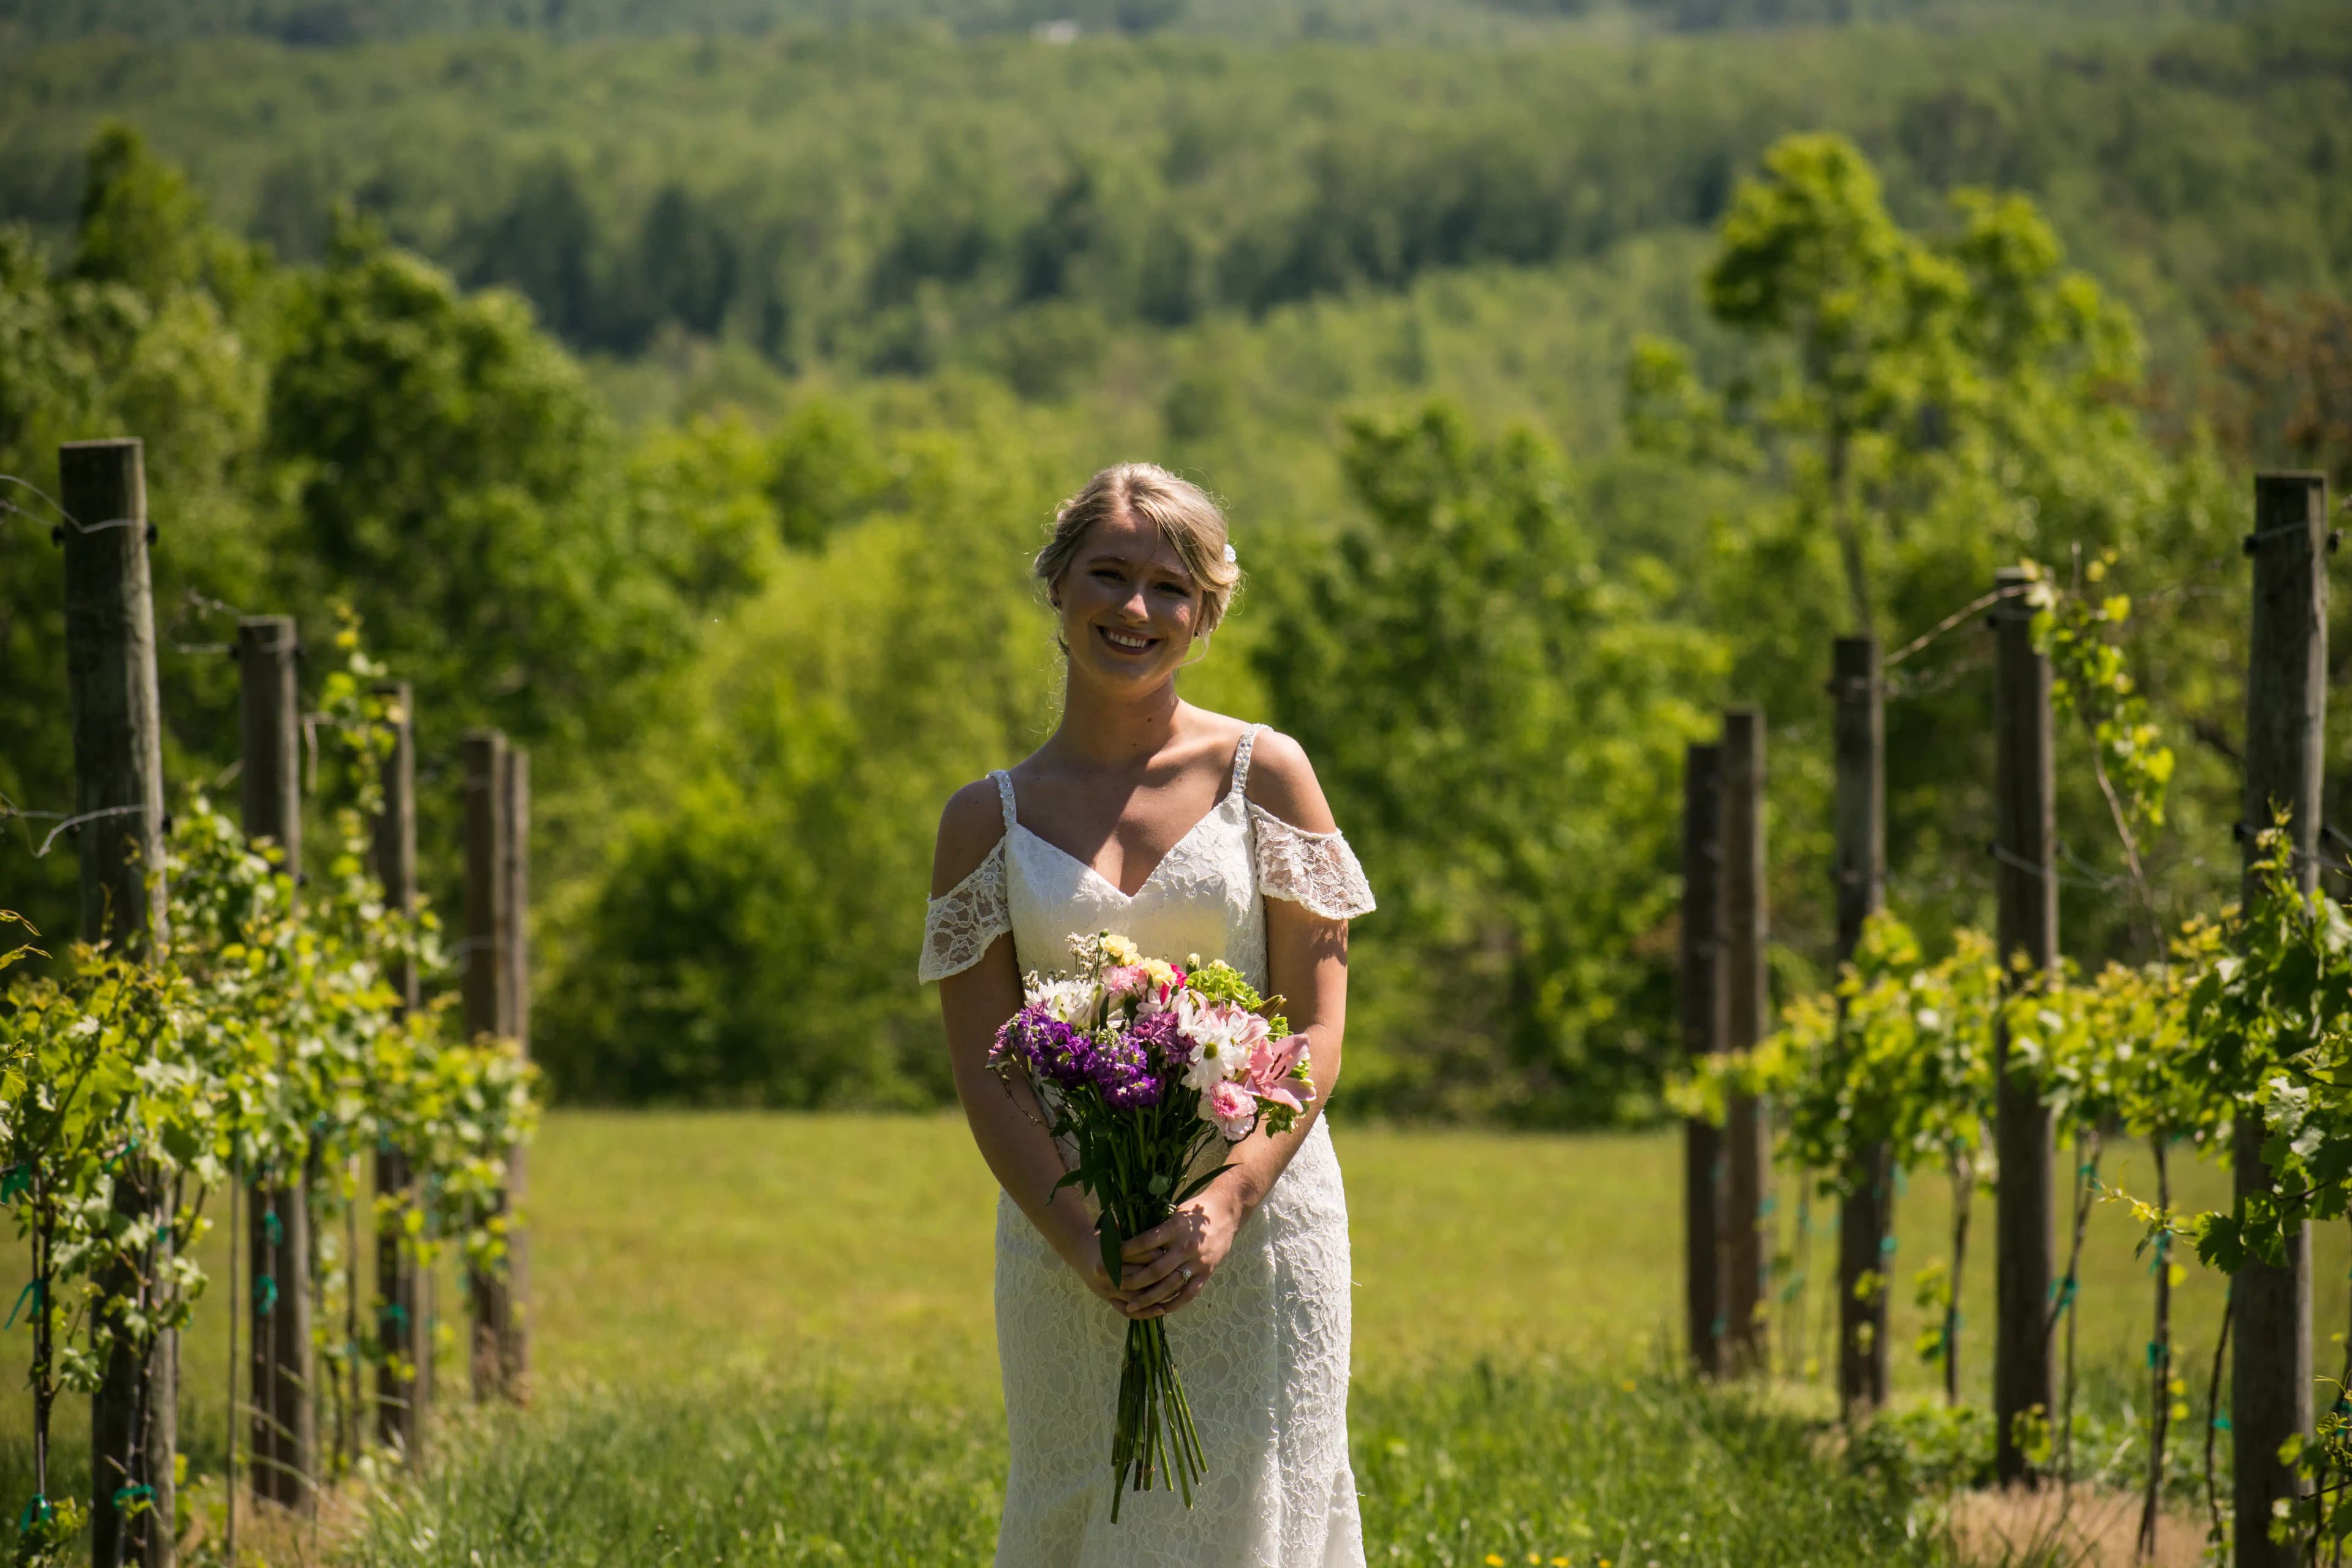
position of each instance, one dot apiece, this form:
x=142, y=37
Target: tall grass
x=1456, y=1467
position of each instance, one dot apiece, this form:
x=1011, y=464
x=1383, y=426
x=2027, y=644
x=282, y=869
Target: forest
x=638, y=393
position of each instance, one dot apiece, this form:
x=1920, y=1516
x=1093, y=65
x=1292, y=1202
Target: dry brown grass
x=2086, y=1527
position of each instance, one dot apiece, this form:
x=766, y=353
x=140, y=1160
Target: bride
x=1191, y=833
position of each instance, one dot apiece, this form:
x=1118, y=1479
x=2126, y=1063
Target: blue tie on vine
x=15, y=1179
x=133, y=1494
x=275, y=1226
x=32, y=1288
x=36, y=1511
x=264, y=1295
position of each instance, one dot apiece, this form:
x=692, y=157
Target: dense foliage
x=1498, y=719
x=897, y=202
x=857, y=306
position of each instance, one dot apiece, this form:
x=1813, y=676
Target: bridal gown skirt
x=1263, y=1351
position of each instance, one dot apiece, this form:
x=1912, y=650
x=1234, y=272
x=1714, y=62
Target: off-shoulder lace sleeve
x=960, y=922
x=1316, y=869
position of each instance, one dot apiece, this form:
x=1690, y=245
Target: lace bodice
x=1203, y=897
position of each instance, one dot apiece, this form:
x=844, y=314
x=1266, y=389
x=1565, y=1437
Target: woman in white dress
x=1190, y=833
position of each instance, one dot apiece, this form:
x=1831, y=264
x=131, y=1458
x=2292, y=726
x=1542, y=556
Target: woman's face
x=1129, y=610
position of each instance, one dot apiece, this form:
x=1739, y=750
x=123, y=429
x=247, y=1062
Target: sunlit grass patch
x=1551, y=1465
x=1456, y=1465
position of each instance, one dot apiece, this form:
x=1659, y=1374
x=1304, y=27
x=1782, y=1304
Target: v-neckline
x=1150, y=877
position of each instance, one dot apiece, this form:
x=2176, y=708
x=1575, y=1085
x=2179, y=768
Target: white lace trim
x=958, y=925
x=1316, y=869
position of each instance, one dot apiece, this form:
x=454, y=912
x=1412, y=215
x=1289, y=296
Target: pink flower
x=1126, y=979
x=1231, y=1107
x=1270, y=1065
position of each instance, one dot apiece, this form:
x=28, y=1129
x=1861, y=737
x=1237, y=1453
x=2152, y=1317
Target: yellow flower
x=1493, y=1560
x=1629, y=1385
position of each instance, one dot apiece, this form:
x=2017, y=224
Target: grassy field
x=767, y=1338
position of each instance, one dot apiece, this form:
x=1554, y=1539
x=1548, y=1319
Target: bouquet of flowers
x=1146, y=1068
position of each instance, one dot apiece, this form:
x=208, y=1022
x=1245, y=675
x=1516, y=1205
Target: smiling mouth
x=1126, y=642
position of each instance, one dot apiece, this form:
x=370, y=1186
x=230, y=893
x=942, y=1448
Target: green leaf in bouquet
x=1198, y=1185
x=1108, y=1231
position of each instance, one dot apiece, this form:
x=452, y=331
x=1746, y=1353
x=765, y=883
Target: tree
x=1495, y=721
x=454, y=478
x=1911, y=410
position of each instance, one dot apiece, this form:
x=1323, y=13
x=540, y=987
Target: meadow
x=767, y=1338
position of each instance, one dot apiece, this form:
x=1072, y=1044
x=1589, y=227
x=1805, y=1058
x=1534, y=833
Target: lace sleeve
x=960, y=922
x=1316, y=869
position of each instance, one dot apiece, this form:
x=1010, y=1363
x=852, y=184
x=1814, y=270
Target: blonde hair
x=1187, y=519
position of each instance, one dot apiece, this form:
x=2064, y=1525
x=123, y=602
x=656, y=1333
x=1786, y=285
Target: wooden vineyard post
x=2025, y=876
x=497, y=894
x=404, y=1316
x=285, y=1428
x=109, y=617
x=2286, y=709
x=1865, y=1214
x=1702, y=1021
x=513, y=1285
x=1747, y=1139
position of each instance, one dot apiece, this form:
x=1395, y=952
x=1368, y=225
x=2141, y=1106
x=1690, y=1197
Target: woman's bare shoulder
x=1281, y=780
x=969, y=827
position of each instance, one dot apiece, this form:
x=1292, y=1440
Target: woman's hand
x=1166, y=1266
x=1080, y=1247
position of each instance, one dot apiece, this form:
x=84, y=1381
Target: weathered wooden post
x=2286, y=709
x=1748, y=1137
x=514, y=1284
x=404, y=1317
x=285, y=1429
x=1702, y=1021
x=118, y=793
x=1865, y=1214
x=495, y=880
x=2025, y=876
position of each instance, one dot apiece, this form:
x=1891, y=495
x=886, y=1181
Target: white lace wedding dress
x=1264, y=1349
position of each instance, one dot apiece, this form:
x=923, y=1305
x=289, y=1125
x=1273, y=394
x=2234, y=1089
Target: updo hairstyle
x=1187, y=519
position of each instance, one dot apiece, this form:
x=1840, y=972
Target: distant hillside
x=331, y=23
x=894, y=204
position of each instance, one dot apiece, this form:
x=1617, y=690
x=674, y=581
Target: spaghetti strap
x=1240, y=759
x=1004, y=798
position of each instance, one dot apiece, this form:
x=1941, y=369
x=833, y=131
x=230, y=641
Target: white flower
x=1074, y=1001
x=1217, y=1029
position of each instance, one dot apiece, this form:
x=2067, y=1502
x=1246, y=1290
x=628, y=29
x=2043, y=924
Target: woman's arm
x=1307, y=964
x=1007, y=1121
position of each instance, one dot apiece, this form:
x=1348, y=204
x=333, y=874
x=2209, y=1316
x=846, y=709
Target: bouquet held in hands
x=1146, y=1068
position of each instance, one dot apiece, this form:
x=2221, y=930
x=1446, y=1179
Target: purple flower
x=1052, y=1050
x=1123, y=1071
x=1162, y=1041
x=1129, y=1070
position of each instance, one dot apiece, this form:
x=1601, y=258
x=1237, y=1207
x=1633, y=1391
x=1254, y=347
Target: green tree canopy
x=1496, y=721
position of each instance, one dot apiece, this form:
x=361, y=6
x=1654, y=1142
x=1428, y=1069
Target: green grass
x=775, y=1331
x=1454, y=1468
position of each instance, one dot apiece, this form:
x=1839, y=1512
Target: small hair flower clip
x=1231, y=558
